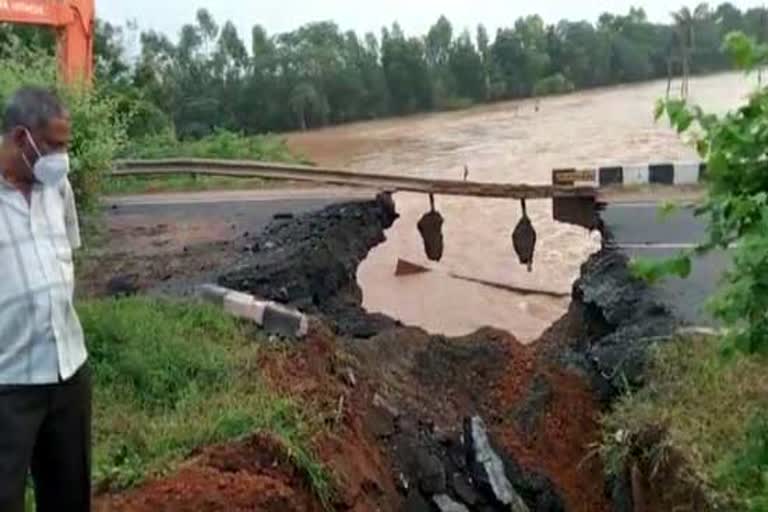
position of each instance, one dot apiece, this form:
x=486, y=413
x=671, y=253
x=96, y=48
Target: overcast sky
x=415, y=16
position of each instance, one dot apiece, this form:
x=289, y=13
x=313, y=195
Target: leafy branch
x=735, y=147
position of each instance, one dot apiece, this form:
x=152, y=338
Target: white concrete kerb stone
x=273, y=317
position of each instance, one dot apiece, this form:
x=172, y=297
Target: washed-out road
x=636, y=229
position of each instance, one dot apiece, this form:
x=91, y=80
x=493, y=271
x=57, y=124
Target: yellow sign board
x=569, y=177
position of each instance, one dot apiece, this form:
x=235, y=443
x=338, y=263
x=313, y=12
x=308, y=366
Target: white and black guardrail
x=272, y=317
x=677, y=173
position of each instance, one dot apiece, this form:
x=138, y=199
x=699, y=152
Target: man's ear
x=18, y=136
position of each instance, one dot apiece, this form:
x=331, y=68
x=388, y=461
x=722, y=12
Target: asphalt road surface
x=639, y=232
x=251, y=209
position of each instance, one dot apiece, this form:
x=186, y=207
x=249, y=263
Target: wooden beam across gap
x=256, y=169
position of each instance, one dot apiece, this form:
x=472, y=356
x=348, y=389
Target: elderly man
x=45, y=389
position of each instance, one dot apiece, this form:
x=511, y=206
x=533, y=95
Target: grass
x=713, y=412
x=169, y=378
x=181, y=183
x=221, y=145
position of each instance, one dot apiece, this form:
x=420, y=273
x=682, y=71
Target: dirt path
x=507, y=142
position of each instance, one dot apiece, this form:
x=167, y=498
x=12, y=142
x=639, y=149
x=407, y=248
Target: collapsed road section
x=417, y=421
x=478, y=423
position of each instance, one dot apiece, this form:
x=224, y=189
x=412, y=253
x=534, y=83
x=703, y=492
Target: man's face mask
x=48, y=169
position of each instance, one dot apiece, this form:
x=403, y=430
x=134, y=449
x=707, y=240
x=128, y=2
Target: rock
x=415, y=502
x=379, y=401
x=314, y=258
x=446, y=504
x=538, y=491
x=431, y=473
x=524, y=240
x=431, y=229
x=283, y=216
x=123, y=286
x=623, y=319
x=349, y=377
x=464, y=490
x=487, y=467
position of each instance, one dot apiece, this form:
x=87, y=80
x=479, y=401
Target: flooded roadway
x=508, y=142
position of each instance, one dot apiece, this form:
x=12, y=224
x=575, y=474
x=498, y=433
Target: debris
x=349, y=377
x=406, y=268
x=430, y=472
x=340, y=411
x=430, y=227
x=416, y=503
x=378, y=401
x=464, y=490
x=123, y=286
x=524, y=239
x=487, y=466
x=446, y=504
x=272, y=317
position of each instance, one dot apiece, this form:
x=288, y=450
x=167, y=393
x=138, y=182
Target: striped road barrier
x=678, y=173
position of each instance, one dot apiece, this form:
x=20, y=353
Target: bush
x=222, y=144
x=98, y=131
x=736, y=206
x=555, y=84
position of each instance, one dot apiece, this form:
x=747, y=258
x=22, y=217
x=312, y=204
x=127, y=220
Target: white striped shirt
x=41, y=340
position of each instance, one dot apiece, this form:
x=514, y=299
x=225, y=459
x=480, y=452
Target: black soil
x=311, y=262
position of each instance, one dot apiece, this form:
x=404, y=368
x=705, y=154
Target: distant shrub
x=222, y=144
x=554, y=84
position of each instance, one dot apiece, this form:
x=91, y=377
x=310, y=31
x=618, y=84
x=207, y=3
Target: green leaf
x=659, y=109
x=702, y=148
x=680, y=266
x=666, y=210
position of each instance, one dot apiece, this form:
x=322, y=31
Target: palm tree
x=685, y=23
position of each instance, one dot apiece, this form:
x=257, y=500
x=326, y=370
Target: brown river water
x=511, y=143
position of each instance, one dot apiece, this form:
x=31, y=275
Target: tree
x=438, y=53
x=406, y=72
x=467, y=68
x=484, y=48
x=685, y=23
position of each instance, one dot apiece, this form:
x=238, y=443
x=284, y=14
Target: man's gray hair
x=31, y=107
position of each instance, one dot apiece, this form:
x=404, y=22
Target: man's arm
x=70, y=216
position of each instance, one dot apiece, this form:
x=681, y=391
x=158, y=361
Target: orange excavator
x=73, y=21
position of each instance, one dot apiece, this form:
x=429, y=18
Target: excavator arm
x=73, y=21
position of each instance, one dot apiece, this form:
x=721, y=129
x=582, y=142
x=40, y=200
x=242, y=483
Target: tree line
x=208, y=79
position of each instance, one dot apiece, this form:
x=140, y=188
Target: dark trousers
x=47, y=429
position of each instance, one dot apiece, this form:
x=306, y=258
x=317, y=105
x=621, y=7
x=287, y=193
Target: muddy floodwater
x=508, y=142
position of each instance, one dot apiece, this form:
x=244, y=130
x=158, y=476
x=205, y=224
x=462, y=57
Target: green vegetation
x=98, y=128
x=555, y=84
x=708, y=397
x=169, y=378
x=221, y=144
x=736, y=206
x=713, y=412
x=182, y=183
x=208, y=78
